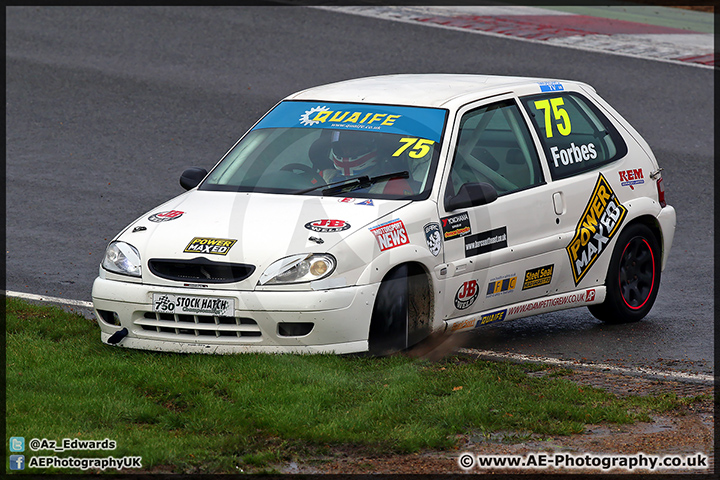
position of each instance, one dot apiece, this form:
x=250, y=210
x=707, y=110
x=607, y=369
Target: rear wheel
x=633, y=277
x=401, y=315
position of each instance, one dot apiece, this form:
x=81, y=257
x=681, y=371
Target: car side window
x=494, y=146
x=575, y=135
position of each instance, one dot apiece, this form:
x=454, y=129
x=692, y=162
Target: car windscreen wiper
x=353, y=183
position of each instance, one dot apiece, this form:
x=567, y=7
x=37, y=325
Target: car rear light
x=661, y=192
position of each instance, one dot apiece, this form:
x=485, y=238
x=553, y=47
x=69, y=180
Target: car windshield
x=324, y=148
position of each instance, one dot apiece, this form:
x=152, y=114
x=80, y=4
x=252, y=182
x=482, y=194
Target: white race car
x=367, y=214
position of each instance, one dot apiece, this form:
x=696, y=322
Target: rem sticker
x=537, y=277
x=417, y=122
x=573, y=154
x=390, y=234
x=492, y=317
x=327, y=226
x=501, y=285
x=212, y=246
x=456, y=226
x=165, y=216
x=484, y=242
x=629, y=178
x=466, y=295
x=433, y=238
x=551, y=86
x=598, y=224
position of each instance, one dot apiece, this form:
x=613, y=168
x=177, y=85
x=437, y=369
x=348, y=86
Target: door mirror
x=192, y=177
x=472, y=195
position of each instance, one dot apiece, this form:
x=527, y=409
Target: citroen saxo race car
x=367, y=214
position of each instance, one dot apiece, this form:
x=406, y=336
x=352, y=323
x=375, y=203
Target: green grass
x=198, y=413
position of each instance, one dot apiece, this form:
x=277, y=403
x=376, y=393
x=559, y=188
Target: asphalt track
x=106, y=106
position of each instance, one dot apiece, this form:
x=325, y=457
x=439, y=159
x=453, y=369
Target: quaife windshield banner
x=418, y=122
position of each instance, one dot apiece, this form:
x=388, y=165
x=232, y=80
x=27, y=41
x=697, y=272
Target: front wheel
x=633, y=277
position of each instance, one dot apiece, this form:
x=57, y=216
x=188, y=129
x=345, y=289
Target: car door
x=508, y=250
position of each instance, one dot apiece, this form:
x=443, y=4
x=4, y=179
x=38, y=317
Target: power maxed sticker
x=598, y=224
x=212, y=246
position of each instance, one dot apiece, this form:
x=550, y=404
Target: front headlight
x=299, y=268
x=122, y=258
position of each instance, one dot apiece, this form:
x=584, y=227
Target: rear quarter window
x=575, y=135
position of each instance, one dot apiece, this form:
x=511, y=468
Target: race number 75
x=560, y=114
x=420, y=149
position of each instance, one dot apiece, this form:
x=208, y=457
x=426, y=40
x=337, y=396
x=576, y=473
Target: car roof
x=427, y=89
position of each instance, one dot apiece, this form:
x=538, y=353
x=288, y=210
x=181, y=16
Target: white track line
x=640, y=371
x=45, y=298
x=637, y=371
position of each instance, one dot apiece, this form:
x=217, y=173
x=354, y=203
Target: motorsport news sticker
x=456, y=226
x=492, y=317
x=598, y=224
x=551, y=86
x=211, y=246
x=466, y=295
x=501, y=285
x=629, y=178
x=537, y=277
x=193, y=305
x=327, y=226
x=165, y=216
x=433, y=238
x=484, y=242
x=390, y=234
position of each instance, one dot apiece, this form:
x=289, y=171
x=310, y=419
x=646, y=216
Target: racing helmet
x=353, y=153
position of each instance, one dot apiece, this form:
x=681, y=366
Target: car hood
x=250, y=228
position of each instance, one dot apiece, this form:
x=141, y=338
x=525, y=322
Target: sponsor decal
x=551, y=86
x=466, y=295
x=537, y=277
x=322, y=114
x=573, y=154
x=390, y=234
x=598, y=224
x=165, y=216
x=456, y=226
x=484, y=242
x=366, y=202
x=433, y=238
x=501, y=285
x=327, y=226
x=629, y=178
x=211, y=246
x=498, y=316
x=352, y=200
x=565, y=300
x=464, y=324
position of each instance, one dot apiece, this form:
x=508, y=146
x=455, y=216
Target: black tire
x=389, y=322
x=633, y=277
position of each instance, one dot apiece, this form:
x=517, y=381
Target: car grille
x=200, y=270
x=200, y=326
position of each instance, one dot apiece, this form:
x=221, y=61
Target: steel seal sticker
x=501, y=285
x=211, y=246
x=466, y=295
x=433, y=238
x=484, y=242
x=537, y=277
x=456, y=226
x=327, y=226
x=390, y=234
x=165, y=216
x=598, y=224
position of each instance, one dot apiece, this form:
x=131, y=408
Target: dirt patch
x=684, y=432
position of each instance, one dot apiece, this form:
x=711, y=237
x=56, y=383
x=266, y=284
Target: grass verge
x=218, y=414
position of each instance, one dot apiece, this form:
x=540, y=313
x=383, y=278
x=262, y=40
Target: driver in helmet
x=355, y=154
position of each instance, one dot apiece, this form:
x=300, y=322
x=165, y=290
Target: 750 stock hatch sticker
x=598, y=224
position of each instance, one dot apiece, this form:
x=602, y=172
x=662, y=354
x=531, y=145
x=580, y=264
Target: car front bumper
x=340, y=320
